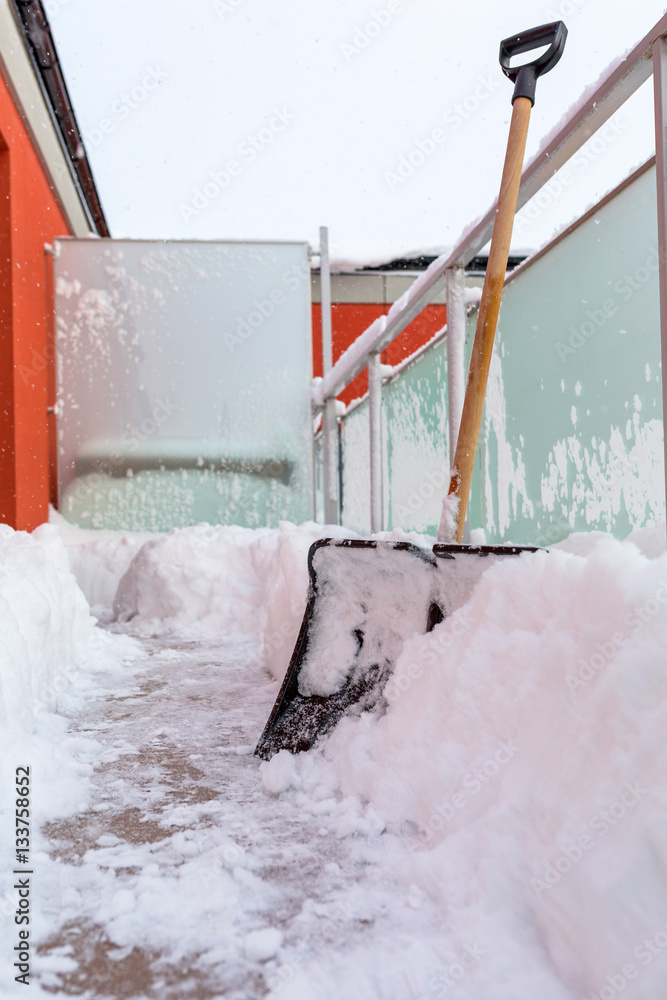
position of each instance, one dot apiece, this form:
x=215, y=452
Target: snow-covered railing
x=594, y=109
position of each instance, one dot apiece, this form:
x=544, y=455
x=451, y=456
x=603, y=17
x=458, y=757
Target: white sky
x=346, y=116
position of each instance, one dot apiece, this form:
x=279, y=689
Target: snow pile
x=263, y=944
x=199, y=579
x=511, y=801
x=449, y=518
x=98, y=559
x=48, y=634
x=51, y=652
x=523, y=756
x=209, y=581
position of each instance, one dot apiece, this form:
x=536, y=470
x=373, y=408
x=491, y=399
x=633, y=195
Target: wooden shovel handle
x=473, y=406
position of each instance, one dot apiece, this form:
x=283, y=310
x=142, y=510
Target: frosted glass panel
x=184, y=380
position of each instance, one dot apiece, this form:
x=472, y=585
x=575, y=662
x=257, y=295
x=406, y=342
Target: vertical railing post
x=456, y=340
x=660, y=106
x=375, y=430
x=329, y=418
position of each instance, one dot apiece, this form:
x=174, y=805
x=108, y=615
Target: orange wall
x=29, y=218
x=349, y=320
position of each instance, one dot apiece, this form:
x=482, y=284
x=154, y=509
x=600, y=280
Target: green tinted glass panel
x=573, y=424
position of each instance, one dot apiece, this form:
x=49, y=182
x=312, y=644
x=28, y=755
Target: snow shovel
x=367, y=597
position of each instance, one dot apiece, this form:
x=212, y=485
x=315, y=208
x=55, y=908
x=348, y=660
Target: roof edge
x=34, y=27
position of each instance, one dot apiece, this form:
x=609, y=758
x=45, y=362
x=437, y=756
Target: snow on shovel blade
x=365, y=599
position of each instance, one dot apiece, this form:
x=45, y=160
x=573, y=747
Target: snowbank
x=518, y=772
x=47, y=633
x=50, y=646
x=207, y=581
x=523, y=755
x=98, y=559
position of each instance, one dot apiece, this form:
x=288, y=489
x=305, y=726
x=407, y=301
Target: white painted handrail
x=618, y=85
x=329, y=419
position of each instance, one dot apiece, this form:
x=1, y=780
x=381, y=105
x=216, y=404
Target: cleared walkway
x=186, y=878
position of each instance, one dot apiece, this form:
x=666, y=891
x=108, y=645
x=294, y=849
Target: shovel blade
x=365, y=599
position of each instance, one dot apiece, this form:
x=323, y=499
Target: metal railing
x=648, y=56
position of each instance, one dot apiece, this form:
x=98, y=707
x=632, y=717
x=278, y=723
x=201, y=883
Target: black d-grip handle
x=525, y=77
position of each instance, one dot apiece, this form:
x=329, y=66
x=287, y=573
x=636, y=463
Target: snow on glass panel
x=184, y=373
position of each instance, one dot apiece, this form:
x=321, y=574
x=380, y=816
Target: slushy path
x=185, y=878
